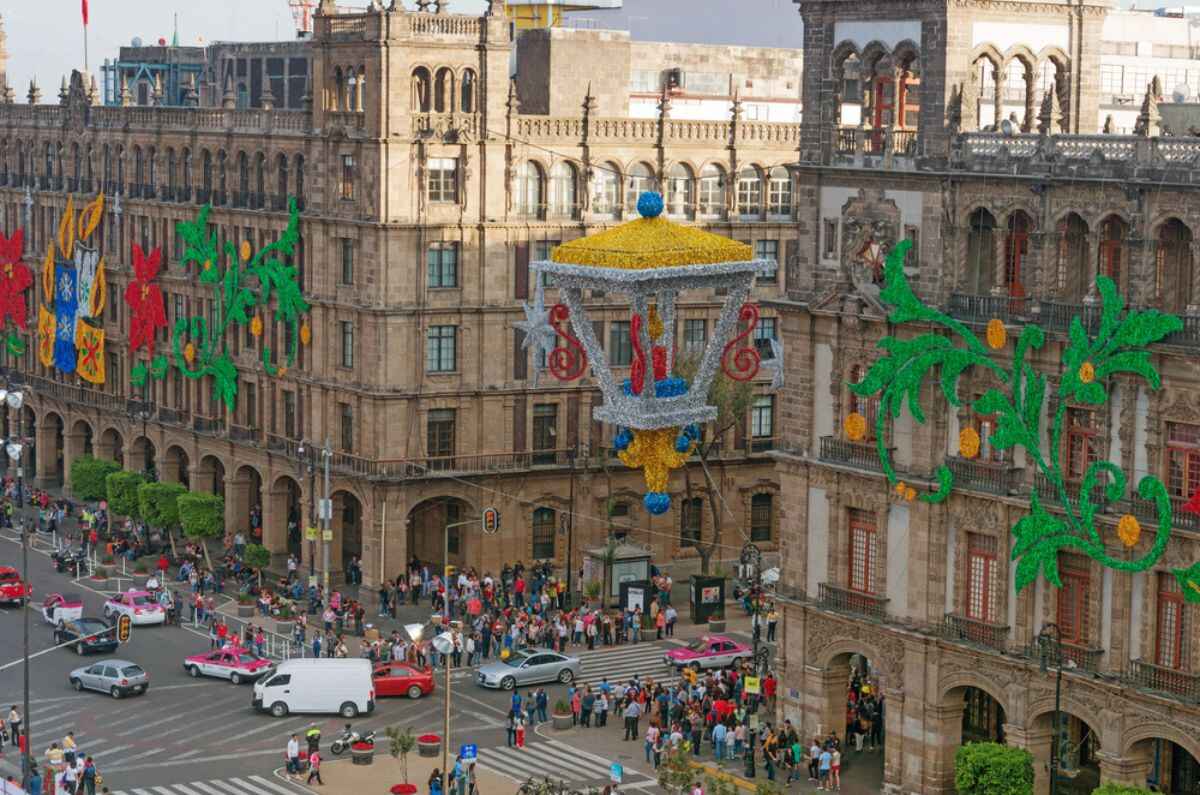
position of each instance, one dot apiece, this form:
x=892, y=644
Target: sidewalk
x=343, y=777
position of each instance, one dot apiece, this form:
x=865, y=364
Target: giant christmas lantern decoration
x=650, y=260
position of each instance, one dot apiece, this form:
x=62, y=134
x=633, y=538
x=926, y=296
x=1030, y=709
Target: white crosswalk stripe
x=621, y=664
x=548, y=758
x=249, y=785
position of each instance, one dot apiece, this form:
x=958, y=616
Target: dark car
x=89, y=635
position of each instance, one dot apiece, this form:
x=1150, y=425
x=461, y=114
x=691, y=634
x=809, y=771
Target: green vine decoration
x=1119, y=346
x=247, y=282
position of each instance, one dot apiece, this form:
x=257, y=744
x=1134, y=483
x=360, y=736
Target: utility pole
x=305, y=452
x=326, y=514
x=570, y=522
x=1050, y=640
x=15, y=400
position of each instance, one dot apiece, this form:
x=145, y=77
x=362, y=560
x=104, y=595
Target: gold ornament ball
x=910, y=494
x=189, y=353
x=305, y=334
x=855, y=426
x=245, y=250
x=256, y=325
x=1087, y=373
x=1129, y=530
x=997, y=335
x=968, y=442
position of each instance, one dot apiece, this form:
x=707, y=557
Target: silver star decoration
x=775, y=363
x=538, y=332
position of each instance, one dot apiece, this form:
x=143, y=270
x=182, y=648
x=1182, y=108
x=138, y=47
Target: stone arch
x=425, y=527
x=1073, y=263
x=1161, y=730
x=872, y=54
x=1040, y=729
x=210, y=475
x=468, y=89
x=1173, y=263
x=421, y=87
x=83, y=429
x=347, y=524
x=837, y=60
x=285, y=534
x=443, y=90
x=175, y=466
x=50, y=437
x=142, y=456
x=111, y=446
x=907, y=53
x=243, y=501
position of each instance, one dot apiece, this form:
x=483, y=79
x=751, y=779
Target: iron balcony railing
x=1075, y=657
x=1146, y=511
x=983, y=633
x=846, y=600
x=854, y=454
x=1000, y=478
x=1189, y=335
x=1050, y=494
x=241, y=434
x=210, y=425
x=1180, y=684
x=979, y=309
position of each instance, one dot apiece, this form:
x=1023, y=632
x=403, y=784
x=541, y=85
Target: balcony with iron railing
x=1172, y=682
x=172, y=416
x=979, y=309
x=852, y=454
x=1050, y=494
x=240, y=199
x=846, y=600
x=214, y=426
x=851, y=141
x=1188, y=336
x=203, y=195
x=994, y=477
x=1146, y=511
x=961, y=629
x=239, y=433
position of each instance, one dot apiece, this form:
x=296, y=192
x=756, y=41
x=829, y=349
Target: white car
x=138, y=605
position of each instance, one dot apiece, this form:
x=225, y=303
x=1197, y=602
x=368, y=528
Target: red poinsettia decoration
x=1193, y=504
x=15, y=278
x=145, y=300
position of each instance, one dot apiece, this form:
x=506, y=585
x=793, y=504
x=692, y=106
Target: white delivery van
x=317, y=685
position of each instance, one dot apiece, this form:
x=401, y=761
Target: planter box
x=561, y=722
x=284, y=627
x=245, y=611
x=429, y=749
x=99, y=583
x=716, y=627
x=362, y=753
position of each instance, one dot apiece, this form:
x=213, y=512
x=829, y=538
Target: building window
x=762, y=422
x=1016, y=249
x=760, y=517
x=249, y=403
x=543, y=250
x=545, y=432
x=768, y=250
x=347, y=343
x=347, y=182
x=606, y=190
x=764, y=332
x=691, y=518
x=530, y=190
x=982, y=585
x=443, y=264
x=695, y=334
x=1173, y=266
x=1083, y=443
x=829, y=241
x=543, y=533
x=1183, y=459
x=620, y=347
x=985, y=426
x=443, y=179
x=866, y=406
x=862, y=551
x=347, y=261
x=1169, y=631
x=441, y=349
x=440, y=435
x=640, y=179
x=779, y=192
x=562, y=190
x=289, y=414
x=1112, y=246
x=346, y=417
x=749, y=189
x=680, y=187
x=712, y=191
x=1073, y=598
x=981, y=253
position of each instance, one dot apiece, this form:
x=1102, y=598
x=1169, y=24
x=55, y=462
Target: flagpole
x=84, y=8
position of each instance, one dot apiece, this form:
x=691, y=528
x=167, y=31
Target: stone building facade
x=425, y=192
x=1010, y=227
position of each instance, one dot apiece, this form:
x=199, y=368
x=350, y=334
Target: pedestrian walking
x=314, y=768
x=520, y=732
x=293, y=756
x=14, y=724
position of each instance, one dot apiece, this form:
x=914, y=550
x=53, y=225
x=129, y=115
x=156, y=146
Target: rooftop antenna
x=302, y=11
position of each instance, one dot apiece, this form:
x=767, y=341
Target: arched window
x=530, y=190
x=187, y=171
x=641, y=178
x=680, y=187
x=443, y=91
x=361, y=93
x=151, y=170
x=1016, y=248
x=749, y=188
x=712, y=191
x=75, y=163
x=981, y=253
x=562, y=190
x=779, y=197
x=300, y=181
x=1073, y=271
x=48, y=166
x=1112, y=246
x=281, y=180
x=260, y=180
x=467, y=91
x=243, y=166
x=543, y=533
x=422, y=92
x=171, y=182
x=139, y=170
x=222, y=174
x=206, y=175
x=606, y=190
x=1174, y=265
x=339, y=88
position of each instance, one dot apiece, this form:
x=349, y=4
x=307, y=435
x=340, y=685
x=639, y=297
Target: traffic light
x=491, y=520
x=124, y=625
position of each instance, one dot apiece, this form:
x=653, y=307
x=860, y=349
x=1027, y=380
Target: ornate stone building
x=425, y=192
x=1014, y=227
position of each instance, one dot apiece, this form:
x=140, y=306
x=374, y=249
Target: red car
x=402, y=679
x=11, y=587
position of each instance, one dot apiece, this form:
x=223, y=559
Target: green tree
x=993, y=769
x=257, y=557
x=1113, y=788
x=158, y=505
x=201, y=516
x=676, y=774
x=400, y=745
x=88, y=477
x=122, y=490
x=733, y=400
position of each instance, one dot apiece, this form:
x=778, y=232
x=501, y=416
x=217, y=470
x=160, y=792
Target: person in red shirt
x=162, y=566
x=769, y=686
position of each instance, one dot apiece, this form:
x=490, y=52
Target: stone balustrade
x=51, y=117
x=1167, y=159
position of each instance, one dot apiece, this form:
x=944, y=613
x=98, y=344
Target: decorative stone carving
x=978, y=515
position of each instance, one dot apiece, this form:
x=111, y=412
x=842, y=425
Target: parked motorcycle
x=349, y=738
x=66, y=559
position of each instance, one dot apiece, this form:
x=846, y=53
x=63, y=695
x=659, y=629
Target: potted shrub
x=245, y=605
x=592, y=590
x=993, y=769
x=100, y=576
x=283, y=620
x=429, y=744
x=400, y=745
x=141, y=572
x=562, y=715
x=716, y=621
x=362, y=753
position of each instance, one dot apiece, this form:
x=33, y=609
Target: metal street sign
x=124, y=627
x=311, y=533
x=469, y=752
x=444, y=643
x=751, y=684
x=325, y=509
x=490, y=519
x=616, y=772
x=327, y=535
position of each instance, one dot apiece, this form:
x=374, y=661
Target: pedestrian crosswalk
x=249, y=785
x=553, y=759
x=620, y=664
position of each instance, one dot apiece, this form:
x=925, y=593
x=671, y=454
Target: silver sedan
x=528, y=666
x=116, y=677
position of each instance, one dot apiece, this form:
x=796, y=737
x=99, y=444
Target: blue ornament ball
x=656, y=502
x=622, y=440
x=650, y=204
x=682, y=443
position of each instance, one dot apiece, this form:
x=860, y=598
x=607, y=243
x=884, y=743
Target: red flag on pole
x=85, y=11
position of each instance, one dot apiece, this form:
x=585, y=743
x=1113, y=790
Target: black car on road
x=89, y=635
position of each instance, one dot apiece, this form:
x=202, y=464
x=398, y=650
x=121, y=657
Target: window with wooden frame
x=1112, y=248
x=985, y=426
x=862, y=551
x=866, y=406
x=761, y=509
x=1016, y=248
x=691, y=517
x=1183, y=459
x=1169, y=635
x=982, y=582
x=543, y=533
x=1073, y=278
x=1083, y=434
x=1073, y=598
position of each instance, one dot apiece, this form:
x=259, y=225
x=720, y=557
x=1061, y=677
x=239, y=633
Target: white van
x=317, y=685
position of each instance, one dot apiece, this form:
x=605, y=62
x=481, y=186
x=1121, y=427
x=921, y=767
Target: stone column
x=103, y=450
x=999, y=241
x=1092, y=258
x=998, y=98
x=824, y=708
x=237, y=505
x=1131, y=769
x=943, y=725
x=46, y=439
x=1031, y=103
x=169, y=470
x=73, y=448
x=1037, y=742
x=274, y=523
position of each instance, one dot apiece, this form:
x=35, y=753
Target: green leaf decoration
x=949, y=346
x=137, y=376
x=159, y=366
x=14, y=344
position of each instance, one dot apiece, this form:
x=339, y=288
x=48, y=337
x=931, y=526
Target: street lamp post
x=1050, y=642
x=752, y=556
x=305, y=454
x=15, y=447
x=326, y=514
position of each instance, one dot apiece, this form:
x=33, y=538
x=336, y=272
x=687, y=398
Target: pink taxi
x=708, y=651
x=138, y=605
x=229, y=662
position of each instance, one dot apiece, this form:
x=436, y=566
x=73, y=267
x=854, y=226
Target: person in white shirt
x=293, y=756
